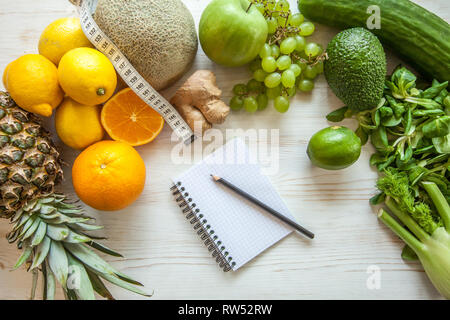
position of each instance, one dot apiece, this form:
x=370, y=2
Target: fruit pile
x=286, y=63
x=69, y=75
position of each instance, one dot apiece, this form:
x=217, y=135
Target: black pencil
x=275, y=213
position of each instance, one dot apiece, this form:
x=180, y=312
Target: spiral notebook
x=231, y=227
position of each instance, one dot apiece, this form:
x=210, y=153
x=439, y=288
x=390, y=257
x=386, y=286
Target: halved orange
x=128, y=119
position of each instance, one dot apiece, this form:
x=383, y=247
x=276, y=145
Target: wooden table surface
x=159, y=246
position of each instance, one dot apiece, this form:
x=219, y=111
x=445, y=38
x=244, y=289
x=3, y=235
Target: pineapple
x=52, y=232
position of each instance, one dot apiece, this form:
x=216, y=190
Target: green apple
x=232, y=32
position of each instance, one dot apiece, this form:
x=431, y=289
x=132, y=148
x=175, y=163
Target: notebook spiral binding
x=206, y=234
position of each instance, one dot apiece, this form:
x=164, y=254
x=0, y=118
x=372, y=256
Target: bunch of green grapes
x=286, y=63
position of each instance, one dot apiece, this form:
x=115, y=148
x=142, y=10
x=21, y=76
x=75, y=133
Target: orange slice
x=128, y=119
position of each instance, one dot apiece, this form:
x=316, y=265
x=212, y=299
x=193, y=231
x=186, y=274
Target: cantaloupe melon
x=157, y=36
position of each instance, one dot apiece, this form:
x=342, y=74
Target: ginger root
x=198, y=100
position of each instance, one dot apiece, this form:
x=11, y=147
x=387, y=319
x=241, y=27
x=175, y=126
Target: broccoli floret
x=396, y=185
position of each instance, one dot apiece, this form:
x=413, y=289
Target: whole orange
x=109, y=175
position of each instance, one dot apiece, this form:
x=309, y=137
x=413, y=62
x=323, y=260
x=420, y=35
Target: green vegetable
x=430, y=243
x=356, y=68
x=415, y=34
x=411, y=133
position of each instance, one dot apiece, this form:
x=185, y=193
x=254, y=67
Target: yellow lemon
x=87, y=76
x=61, y=36
x=4, y=74
x=32, y=81
x=78, y=125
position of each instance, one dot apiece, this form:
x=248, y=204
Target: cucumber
x=418, y=36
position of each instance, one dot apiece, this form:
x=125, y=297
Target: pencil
x=275, y=213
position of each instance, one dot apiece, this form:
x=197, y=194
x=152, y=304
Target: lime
x=334, y=148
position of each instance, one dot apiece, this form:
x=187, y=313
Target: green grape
x=284, y=62
x=271, y=4
x=269, y=64
x=288, y=45
x=303, y=55
x=296, y=69
x=319, y=67
x=288, y=79
x=255, y=86
x=282, y=21
x=240, y=89
x=310, y=72
x=275, y=51
x=306, y=85
x=259, y=75
x=291, y=91
x=236, y=103
x=282, y=5
x=260, y=7
x=301, y=43
x=312, y=49
x=250, y=104
x=281, y=104
x=262, y=101
x=297, y=19
x=306, y=29
x=255, y=65
x=272, y=24
x=272, y=80
x=320, y=49
x=302, y=65
x=272, y=93
x=265, y=51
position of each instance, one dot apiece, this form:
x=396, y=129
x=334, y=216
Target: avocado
x=356, y=68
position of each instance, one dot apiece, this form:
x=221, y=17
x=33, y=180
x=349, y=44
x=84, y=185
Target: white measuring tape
x=128, y=73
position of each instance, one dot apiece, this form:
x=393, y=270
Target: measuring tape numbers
x=129, y=74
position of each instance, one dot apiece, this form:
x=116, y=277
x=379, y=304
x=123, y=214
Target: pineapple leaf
x=99, y=286
x=57, y=233
x=17, y=215
x=27, y=225
x=41, y=252
x=65, y=219
x=58, y=262
x=45, y=209
x=85, y=227
x=29, y=206
x=75, y=211
x=32, y=229
x=82, y=286
x=39, y=234
x=47, y=200
x=104, y=249
x=50, y=283
x=50, y=216
x=34, y=284
x=123, y=284
x=23, y=220
x=24, y=257
x=74, y=237
x=89, y=258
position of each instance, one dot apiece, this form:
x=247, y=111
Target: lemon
x=5, y=72
x=32, y=81
x=61, y=36
x=78, y=125
x=87, y=76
